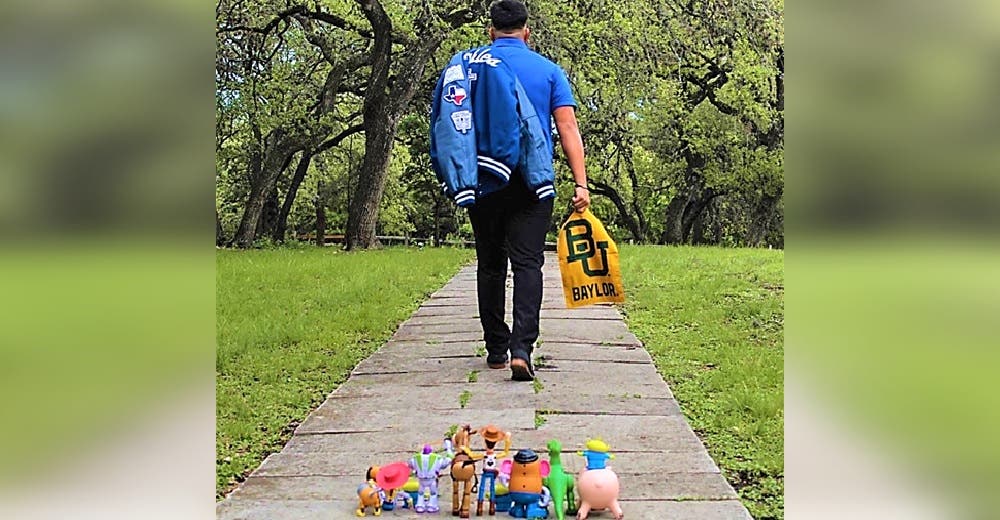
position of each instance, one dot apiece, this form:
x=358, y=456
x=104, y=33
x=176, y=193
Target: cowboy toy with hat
x=491, y=467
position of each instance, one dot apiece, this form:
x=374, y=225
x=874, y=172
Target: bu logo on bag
x=588, y=262
x=583, y=249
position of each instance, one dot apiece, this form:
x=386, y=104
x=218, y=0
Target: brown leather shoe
x=521, y=370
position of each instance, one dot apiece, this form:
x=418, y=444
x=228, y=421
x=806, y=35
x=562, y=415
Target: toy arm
x=506, y=466
x=506, y=445
x=472, y=455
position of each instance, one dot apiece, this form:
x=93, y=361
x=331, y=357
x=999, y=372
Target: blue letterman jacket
x=483, y=127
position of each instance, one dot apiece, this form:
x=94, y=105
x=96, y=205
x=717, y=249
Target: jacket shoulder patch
x=453, y=73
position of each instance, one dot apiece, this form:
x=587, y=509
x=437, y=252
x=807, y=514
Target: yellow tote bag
x=588, y=261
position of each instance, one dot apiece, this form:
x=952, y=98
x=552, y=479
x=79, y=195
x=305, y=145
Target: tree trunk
x=268, y=215
x=281, y=147
x=281, y=223
x=383, y=108
x=673, y=230
x=698, y=230
x=623, y=214
x=220, y=234
x=362, y=214
x=694, y=209
x=320, y=218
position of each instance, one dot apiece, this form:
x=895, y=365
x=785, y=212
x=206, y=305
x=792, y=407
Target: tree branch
x=335, y=140
x=299, y=9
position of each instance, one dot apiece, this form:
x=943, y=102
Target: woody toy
x=491, y=467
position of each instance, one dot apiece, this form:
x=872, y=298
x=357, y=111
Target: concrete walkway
x=596, y=380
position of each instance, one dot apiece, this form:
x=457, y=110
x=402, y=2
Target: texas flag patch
x=455, y=95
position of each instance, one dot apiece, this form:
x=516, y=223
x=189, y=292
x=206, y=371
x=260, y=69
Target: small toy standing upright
x=369, y=494
x=491, y=468
x=428, y=467
x=597, y=454
x=527, y=494
x=559, y=482
x=463, y=472
x=598, y=484
x=390, y=479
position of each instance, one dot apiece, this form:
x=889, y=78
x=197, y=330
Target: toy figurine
x=539, y=510
x=503, y=497
x=598, y=484
x=596, y=453
x=428, y=466
x=559, y=482
x=369, y=494
x=526, y=490
x=491, y=436
x=411, y=488
x=390, y=479
x=463, y=472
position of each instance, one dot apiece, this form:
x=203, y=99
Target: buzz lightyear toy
x=427, y=466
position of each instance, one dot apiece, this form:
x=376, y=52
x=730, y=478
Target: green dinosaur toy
x=559, y=482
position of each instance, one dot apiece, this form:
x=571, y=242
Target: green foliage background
x=678, y=102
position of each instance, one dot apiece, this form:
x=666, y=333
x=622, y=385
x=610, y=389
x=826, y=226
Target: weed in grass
x=481, y=351
x=433, y=342
x=537, y=385
x=452, y=430
x=473, y=376
x=463, y=398
x=540, y=419
x=637, y=396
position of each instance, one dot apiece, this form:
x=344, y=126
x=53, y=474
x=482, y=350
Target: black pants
x=510, y=224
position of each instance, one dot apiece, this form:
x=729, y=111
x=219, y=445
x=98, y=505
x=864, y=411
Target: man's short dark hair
x=508, y=15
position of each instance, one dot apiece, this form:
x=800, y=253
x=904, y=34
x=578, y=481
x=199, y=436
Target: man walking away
x=511, y=223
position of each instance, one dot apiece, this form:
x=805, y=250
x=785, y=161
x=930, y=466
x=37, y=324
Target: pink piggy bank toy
x=598, y=489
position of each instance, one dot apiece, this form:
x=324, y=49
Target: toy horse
x=463, y=472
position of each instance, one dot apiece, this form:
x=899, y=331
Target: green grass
x=713, y=321
x=292, y=323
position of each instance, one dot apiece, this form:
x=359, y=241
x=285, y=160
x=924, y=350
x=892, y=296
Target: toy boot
x=493, y=506
x=479, y=508
x=432, y=506
x=421, y=504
